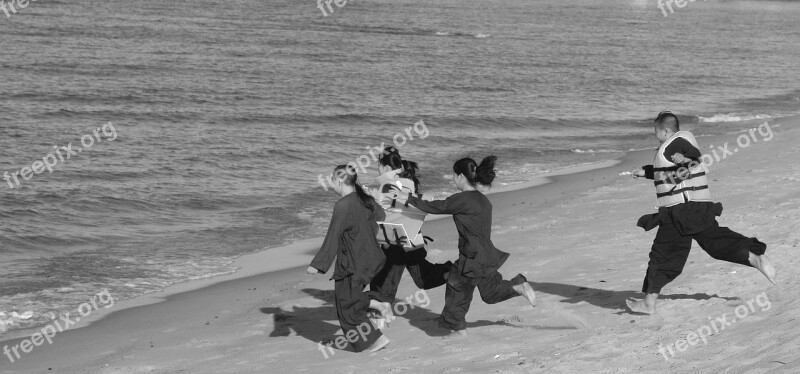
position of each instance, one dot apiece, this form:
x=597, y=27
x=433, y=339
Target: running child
x=394, y=171
x=686, y=212
x=351, y=240
x=478, y=259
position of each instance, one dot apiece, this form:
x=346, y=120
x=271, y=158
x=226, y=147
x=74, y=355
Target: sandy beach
x=574, y=238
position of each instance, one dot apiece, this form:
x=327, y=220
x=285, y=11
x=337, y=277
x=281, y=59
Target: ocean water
x=224, y=114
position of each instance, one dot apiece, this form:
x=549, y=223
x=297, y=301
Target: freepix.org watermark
x=62, y=324
x=6, y=7
x=362, y=330
x=719, y=153
x=363, y=161
x=742, y=141
x=715, y=325
x=661, y=4
x=339, y=3
x=58, y=155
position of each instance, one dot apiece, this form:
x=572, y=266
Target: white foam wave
x=13, y=319
x=732, y=117
x=578, y=150
x=446, y=33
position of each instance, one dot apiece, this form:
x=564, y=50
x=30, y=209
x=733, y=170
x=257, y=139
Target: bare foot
x=377, y=320
x=379, y=344
x=457, y=334
x=640, y=306
x=526, y=291
x=385, y=310
x=763, y=265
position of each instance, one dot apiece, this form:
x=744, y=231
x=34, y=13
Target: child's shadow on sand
x=428, y=322
x=606, y=298
x=310, y=323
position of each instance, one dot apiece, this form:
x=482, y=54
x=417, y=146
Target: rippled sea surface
x=225, y=114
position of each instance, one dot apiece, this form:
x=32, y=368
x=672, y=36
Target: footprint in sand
x=567, y=316
x=141, y=369
x=504, y=356
x=257, y=332
x=451, y=349
x=513, y=318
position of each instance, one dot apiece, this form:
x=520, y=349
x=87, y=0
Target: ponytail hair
x=410, y=172
x=347, y=174
x=391, y=158
x=476, y=174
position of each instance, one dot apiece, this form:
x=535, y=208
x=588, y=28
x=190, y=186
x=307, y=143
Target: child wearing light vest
x=397, y=172
x=686, y=212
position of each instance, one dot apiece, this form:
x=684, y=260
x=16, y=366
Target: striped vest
x=679, y=184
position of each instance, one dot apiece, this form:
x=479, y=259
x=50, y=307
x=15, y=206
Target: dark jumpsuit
x=679, y=224
x=478, y=258
x=351, y=240
x=425, y=274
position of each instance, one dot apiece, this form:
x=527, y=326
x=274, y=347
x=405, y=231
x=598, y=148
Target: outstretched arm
x=446, y=206
x=645, y=172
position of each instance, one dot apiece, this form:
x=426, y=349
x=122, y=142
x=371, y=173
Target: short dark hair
x=667, y=120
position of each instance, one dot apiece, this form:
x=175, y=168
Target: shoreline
x=275, y=276
x=295, y=255
x=290, y=252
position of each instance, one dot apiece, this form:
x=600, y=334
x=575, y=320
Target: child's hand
x=637, y=173
x=402, y=198
x=393, y=189
x=312, y=270
x=388, y=178
x=679, y=158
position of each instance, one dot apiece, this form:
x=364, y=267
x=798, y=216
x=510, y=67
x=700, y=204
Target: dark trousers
x=459, y=291
x=352, y=305
x=425, y=274
x=671, y=249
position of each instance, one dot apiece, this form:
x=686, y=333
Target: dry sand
x=575, y=239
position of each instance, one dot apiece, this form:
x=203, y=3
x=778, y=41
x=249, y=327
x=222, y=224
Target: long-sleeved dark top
x=351, y=239
x=679, y=145
x=472, y=214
